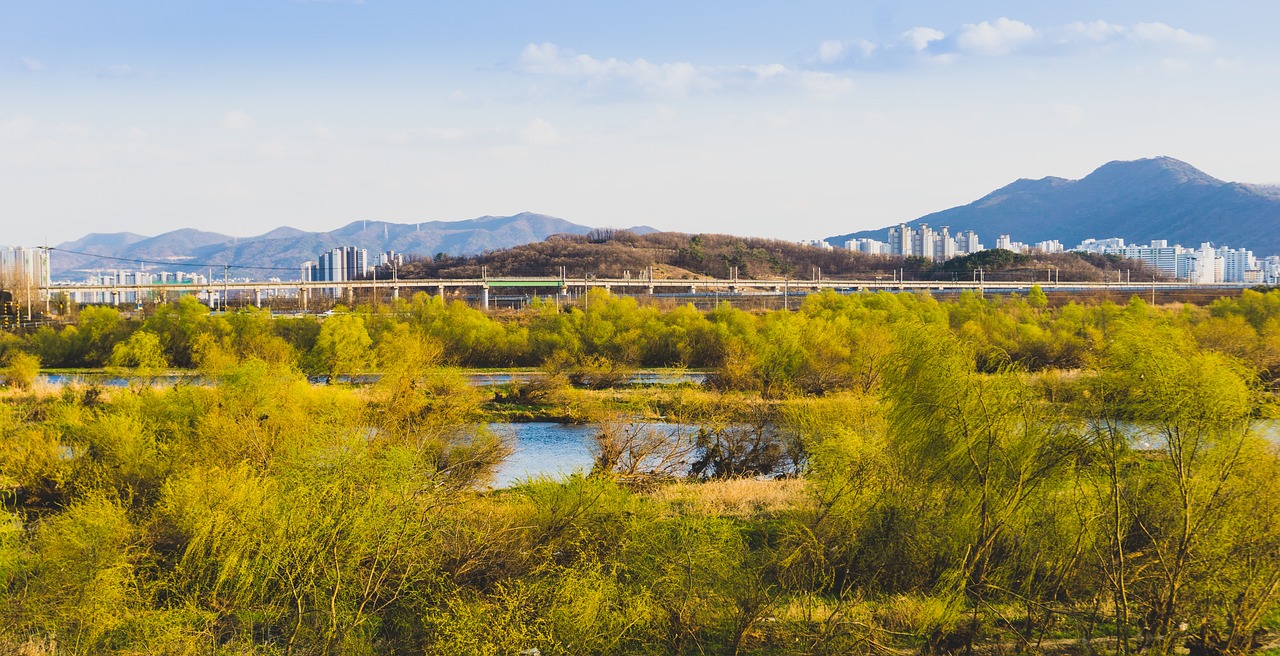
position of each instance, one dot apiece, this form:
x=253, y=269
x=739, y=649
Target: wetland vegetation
x=870, y=474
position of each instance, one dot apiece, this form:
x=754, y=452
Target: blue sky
x=794, y=120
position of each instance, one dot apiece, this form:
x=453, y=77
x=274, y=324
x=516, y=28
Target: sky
x=794, y=120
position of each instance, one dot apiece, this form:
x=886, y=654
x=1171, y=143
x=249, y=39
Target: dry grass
x=738, y=497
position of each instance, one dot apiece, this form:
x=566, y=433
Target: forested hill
x=1157, y=198
x=672, y=255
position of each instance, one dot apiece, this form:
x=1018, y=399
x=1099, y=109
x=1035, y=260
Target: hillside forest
x=868, y=474
x=670, y=255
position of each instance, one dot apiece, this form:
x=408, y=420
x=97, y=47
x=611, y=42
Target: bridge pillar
x=395, y=293
x=649, y=290
x=302, y=298
x=351, y=296
x=213, y=305
x=693, y=289
x=115, y=297
x=257, y=297
x=484, y=297
x=440, y=291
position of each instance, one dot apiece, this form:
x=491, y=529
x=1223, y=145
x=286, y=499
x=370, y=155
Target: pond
x=1148, y=437
x=553, y=450
x=558, y=450
x=544, y=449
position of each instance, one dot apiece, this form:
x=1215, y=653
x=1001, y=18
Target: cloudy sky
x=798, y=119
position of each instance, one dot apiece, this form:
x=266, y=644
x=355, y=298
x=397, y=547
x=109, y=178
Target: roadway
x=480, y=287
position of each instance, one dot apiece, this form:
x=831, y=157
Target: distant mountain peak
x=289, y=247
x=1154, y=169
x=1138, y=200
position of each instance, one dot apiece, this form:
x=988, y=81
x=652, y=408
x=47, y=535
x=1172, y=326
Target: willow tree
x=1193, y=414
x=987, y=442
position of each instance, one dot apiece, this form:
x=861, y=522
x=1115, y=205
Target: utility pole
x=44, y=280
x=28, y=277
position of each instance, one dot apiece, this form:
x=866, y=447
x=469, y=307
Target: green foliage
x=21, y=369
x=872, y=473
x=343, y=345
x=141, y=352
x=1036, y=298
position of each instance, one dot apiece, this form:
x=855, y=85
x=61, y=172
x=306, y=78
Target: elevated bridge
x=480, y=289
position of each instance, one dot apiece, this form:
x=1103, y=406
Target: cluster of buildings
x=126, y=279
x=925, y=242
x=1205, y=264
x=23, y=264
x=1202, y=265
x=347, y=263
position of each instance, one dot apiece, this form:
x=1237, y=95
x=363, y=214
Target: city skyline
x=742, y=118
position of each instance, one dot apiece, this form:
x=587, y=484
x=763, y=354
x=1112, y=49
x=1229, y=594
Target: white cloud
x=31, y=64
x=1007, y=37
x=1164, y=35
x=919, y=38
x=234, y=119
x=1081, y=32
x=675, y=79
x=999, y=37
x=539, y=133
x=831, y=51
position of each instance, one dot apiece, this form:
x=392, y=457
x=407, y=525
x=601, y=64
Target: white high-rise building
x=24, y=264
x=869, y=246
x=901, y=240
x=1236, y=263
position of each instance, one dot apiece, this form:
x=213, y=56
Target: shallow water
x=553, y=450
x=543, y=449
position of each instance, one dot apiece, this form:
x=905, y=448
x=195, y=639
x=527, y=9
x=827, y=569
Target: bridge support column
x=395, y=293
x=302, y=298
x=115, y=297
x=484, y=297
x=649, y=290
x=693, y=289
x=440, y=291
x=351, y=296
x=213, y=304
x=257, y=297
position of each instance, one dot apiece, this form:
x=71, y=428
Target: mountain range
x=285, y=249
x=1141, y=200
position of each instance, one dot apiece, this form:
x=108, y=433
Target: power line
x=170, y=263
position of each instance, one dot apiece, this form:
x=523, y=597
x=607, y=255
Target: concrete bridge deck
x=346, y=290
